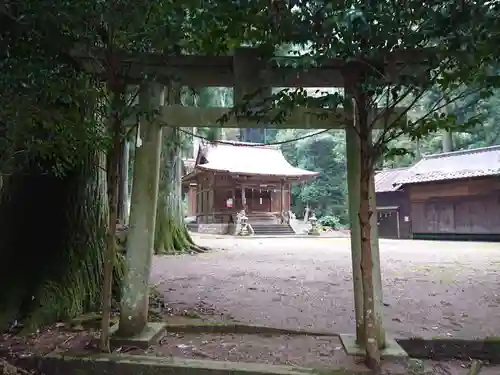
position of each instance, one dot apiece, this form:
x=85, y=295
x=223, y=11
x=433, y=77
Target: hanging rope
x=258, y=144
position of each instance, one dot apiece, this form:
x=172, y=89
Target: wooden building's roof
x=479, y=162
x=384, y=180
x=248, y=159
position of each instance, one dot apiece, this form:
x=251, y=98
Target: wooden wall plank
x=456, y=188
x=464, y=207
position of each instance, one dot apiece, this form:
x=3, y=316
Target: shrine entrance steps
x=273, y=229
x=268, y=224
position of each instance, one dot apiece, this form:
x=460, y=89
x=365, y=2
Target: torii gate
x=247, y=72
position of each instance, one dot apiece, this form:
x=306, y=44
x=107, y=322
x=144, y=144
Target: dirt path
x=430, y=288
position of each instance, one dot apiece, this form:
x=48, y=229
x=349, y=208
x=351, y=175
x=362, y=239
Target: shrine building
x=227, y=177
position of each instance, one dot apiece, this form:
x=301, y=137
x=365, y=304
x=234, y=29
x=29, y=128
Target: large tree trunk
x=171, y=235
x=53, y=229
x=367, y=162
x=113, y=174
x=447, y=141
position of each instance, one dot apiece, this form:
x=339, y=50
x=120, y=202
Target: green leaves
x=325, y=194
x=41, y=83
x=401, y=55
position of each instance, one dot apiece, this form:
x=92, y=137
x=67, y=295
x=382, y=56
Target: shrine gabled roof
x=248, y=159
x=478, y=162
x=384, y=179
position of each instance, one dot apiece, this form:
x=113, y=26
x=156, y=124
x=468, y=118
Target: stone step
x=261, y=217
x=261, y=220
x=271, y=229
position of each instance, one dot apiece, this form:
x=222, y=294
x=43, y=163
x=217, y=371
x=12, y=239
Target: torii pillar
x=134, y=328
x=354, y=344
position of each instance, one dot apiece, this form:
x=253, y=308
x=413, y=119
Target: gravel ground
x=430, y=288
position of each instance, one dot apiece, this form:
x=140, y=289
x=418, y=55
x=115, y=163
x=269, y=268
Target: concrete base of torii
x=150, y=335
x=392, y=348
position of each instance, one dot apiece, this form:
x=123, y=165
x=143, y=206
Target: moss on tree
x=52, y=238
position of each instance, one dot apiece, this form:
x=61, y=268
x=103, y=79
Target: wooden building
x=455, y=195
x=393, y=206
x=228, y=177
x=189, y=188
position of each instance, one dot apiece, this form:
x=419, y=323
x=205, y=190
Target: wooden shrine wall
x=459, y=209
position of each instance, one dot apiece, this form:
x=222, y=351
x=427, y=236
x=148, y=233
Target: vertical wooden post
x=233, y=196
x=270, y=193
x=140, y=241
x=197, y=206
x=211, y=198
x=282, y=200
x=204, y=200
x=288, y=196
x=243, y=197
x=192, y=199
x=249, y=73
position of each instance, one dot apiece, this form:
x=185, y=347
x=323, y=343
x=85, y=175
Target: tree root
x=177, y=240
x=7, y=368
x=201, y=249
x=475, y=367
x=198, y=249
x=188, y=249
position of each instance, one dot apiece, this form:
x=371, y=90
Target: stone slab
x=240, y=328
x=392, y=349
x=124, y=364
x=143, y=340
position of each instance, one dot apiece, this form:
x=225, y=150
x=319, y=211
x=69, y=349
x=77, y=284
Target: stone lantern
x=314, y=231
x=245, y=229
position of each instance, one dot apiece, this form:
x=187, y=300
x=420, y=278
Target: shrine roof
x=384, y=179
x=478, y=162
x=248, y=159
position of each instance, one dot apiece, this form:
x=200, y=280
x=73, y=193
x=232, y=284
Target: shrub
x=330, y=221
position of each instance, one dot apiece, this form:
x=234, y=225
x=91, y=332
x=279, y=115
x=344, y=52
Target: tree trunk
x=171, y=235
x=371, y=342
x=447, y=141
x=418, y=154
x=123, y=191
x=53, y=229
x=365, y=213
x=447, y=135
x=113, y=171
